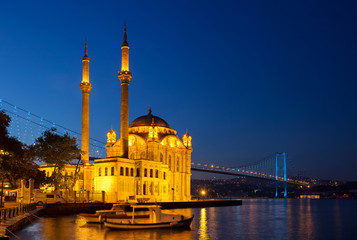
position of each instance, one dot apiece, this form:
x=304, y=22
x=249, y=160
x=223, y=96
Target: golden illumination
x=85, y=75
x=202, y=230
x=187, y=139
x=125, y=58
x=111, y=136
x=156, y=133
x=172, y=142
x=132, y=140
x=2, y=152
x=146, y=162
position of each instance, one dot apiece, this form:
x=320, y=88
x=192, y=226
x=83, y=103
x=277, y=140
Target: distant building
x=309, y=196
x=149, y=162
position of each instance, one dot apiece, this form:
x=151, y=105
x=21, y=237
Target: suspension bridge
x=27, y=126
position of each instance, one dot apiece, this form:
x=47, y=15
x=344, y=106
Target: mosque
x=149, y=162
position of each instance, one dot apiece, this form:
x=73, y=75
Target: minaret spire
x=125, y=43
x=85, y=87
x=85, y=49
x=125, y=77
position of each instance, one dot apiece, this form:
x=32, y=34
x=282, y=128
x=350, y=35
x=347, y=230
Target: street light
x=203, y=193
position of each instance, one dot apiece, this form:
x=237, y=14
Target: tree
x=58, y=151
x=15, y=161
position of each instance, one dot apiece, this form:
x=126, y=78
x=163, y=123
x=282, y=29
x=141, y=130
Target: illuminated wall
x=162, y=165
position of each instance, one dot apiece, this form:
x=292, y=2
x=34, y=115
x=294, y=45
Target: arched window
x=121, y=171
x=142, y=155
x=170, y=162
x=164, y=175
x=132, y=156
x=178, y=165
x=106, y=171
x=112, y=171
x=138, y=188
x=157, y=173
x=138, y=172
x=151, y=189
x=99, y=172
x=132, y=172
x=161, y=157
x=145, y=172
x=150, y=172
x=126, y=171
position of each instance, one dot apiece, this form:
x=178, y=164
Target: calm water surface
x=255, y=219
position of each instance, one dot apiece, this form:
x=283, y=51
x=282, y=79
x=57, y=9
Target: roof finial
x=125, y=43
x=111, y=129
x=85, y=48
x=149, y=109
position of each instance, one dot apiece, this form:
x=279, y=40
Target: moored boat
x=156, y=219
x=117, y=212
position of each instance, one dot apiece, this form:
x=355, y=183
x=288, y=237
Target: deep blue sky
x=246, y=78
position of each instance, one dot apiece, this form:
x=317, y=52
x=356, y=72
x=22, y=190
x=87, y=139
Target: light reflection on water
x=202, y=231
x=255, y=219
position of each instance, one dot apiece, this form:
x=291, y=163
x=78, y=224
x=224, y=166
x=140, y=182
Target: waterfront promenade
x=14, y=217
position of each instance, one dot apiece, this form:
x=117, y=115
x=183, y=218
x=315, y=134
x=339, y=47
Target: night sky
x=246, y=78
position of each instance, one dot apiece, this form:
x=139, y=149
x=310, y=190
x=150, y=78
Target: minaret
x=124, y=76
x=85, y=86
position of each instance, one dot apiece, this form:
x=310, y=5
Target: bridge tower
x=124, y=76
x=280, y=166
x=85, y=87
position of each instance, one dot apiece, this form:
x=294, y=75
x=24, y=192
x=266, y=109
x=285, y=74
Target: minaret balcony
x=85, y=86
x=124, y=76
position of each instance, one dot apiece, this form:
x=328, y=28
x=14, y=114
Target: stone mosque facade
x=148, y=162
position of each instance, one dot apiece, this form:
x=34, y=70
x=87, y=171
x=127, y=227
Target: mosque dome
x=148, y=120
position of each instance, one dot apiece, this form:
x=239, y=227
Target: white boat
x=116, y=212
x=156, y=219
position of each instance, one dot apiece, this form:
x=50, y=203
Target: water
x=255, y=219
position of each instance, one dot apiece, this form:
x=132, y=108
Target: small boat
x=156, y=219
x=116, y=212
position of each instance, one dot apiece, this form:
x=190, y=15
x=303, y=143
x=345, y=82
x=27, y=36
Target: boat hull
x=100, y=218
x=129, y=226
